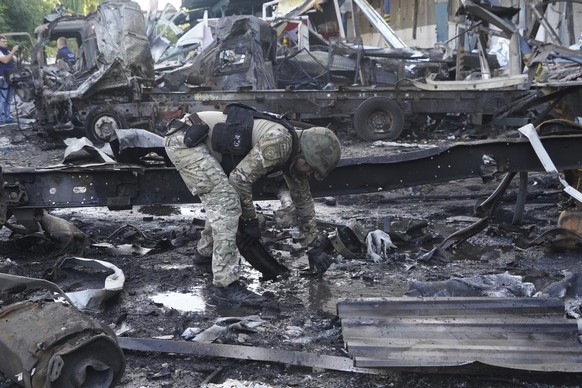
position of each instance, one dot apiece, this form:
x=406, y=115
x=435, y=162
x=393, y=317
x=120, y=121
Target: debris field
x=166, y=298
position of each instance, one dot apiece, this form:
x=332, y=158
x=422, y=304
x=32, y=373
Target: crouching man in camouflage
x=220, y=155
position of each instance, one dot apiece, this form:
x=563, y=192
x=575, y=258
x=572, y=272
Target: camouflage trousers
x=204, y=177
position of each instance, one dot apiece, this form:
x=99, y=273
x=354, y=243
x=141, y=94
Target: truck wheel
x=102, y=122
x=378, y=118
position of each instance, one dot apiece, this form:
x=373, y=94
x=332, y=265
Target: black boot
x=198, y=259
x=237, y=294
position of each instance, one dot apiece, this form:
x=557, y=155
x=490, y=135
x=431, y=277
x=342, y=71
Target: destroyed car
x=243, y=55
x=113, y=86
x=113, y=65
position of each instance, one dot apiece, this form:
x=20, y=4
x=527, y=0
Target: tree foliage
x=26, y=15
x=2, y=18
x=81, y=7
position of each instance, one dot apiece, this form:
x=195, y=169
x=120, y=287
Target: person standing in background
x=6, y=91
x=64, y=52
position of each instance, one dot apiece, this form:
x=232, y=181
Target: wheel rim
x=105, y=126
x=380, y=121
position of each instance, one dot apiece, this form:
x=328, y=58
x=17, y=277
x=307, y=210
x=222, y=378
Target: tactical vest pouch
x=195, y=135
x=235, y=136
x=231, y=139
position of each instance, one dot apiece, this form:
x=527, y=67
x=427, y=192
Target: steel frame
x=123, y=186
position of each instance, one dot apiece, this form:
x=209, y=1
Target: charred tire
x=102, y=122
x=378, y=118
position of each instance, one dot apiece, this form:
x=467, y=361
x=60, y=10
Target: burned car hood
x=242, y=56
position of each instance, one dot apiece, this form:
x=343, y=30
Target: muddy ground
x=301, y=315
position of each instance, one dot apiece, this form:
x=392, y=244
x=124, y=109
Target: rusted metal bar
x=291, y=357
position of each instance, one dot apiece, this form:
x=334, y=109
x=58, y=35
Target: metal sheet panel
x=517, y=333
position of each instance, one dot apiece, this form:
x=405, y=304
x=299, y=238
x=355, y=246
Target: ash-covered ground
x=164, y=294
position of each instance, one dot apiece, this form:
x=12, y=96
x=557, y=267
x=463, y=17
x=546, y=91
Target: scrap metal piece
x=290, y=9
x=492, y=285
x=454, y=239
x=291, y=357
x=558, y=238
x=530, y=132
x=516, y=333
x=491, y=17
x=488, y=206
x=383, y=28
x=221, y=325
x=123, y=249
x=346, y=243
x=39, y=225
x=569, y=289
x=66, y=234
x=485, y=210
x=14, y=284
x=516, y=81
x=536, y=9
x=95, y=297
x=122, y=36
x=50, y=344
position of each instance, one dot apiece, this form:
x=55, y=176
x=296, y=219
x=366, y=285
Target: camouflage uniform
x=226, y=199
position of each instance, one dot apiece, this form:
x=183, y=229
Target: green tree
x=23, y=15
x=81, y=7
x=91, y=5
x=2, y=19
x=26, y=15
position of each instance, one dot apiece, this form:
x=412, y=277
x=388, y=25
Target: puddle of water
x=187, y=302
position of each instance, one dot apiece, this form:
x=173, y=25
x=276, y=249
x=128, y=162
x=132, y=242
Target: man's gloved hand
x=250, y=228
x=319, y=260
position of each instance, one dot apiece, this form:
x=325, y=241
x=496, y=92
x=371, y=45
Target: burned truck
x=113, y=66
x=114, y=85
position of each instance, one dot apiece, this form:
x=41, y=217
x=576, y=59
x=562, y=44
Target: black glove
x=250, y=228
x=319, y=260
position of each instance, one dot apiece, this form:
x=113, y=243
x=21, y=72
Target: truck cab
x=113, y=66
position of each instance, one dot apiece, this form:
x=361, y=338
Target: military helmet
x=321, y=150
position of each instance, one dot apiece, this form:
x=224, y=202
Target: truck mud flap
x=50, y=344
